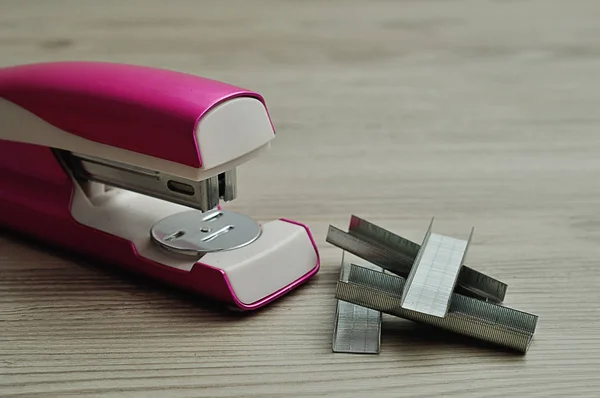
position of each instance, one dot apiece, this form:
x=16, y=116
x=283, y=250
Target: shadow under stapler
x=146, y=285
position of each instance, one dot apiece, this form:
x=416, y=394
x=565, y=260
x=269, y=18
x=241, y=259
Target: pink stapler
x=129, y=165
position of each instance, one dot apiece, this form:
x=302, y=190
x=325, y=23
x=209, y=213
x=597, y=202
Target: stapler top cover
x=155, y=112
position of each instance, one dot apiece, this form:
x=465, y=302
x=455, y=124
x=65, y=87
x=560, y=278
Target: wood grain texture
x=480, y=113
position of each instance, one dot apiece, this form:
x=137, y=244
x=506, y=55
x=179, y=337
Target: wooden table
x=480, y=113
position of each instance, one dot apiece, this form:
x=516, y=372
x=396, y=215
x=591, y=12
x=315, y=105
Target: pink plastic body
x=114, y=104
x=36, y=192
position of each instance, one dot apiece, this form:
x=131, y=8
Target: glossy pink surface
x=35, y=198
x=141, y=109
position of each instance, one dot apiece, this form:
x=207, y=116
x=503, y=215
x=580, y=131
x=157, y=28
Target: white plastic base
x=280, y=256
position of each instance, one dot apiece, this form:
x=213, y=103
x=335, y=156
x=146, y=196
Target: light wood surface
x=480, y=113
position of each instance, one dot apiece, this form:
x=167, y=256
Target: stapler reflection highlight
x=129, y=164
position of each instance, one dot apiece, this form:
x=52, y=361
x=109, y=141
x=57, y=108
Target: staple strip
x=397, y=255
x=479, y=285
x=494, y=313
x=375, y=234
x=467, y=316
x=357, y=329
x=432, y=279
x=377, y=254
